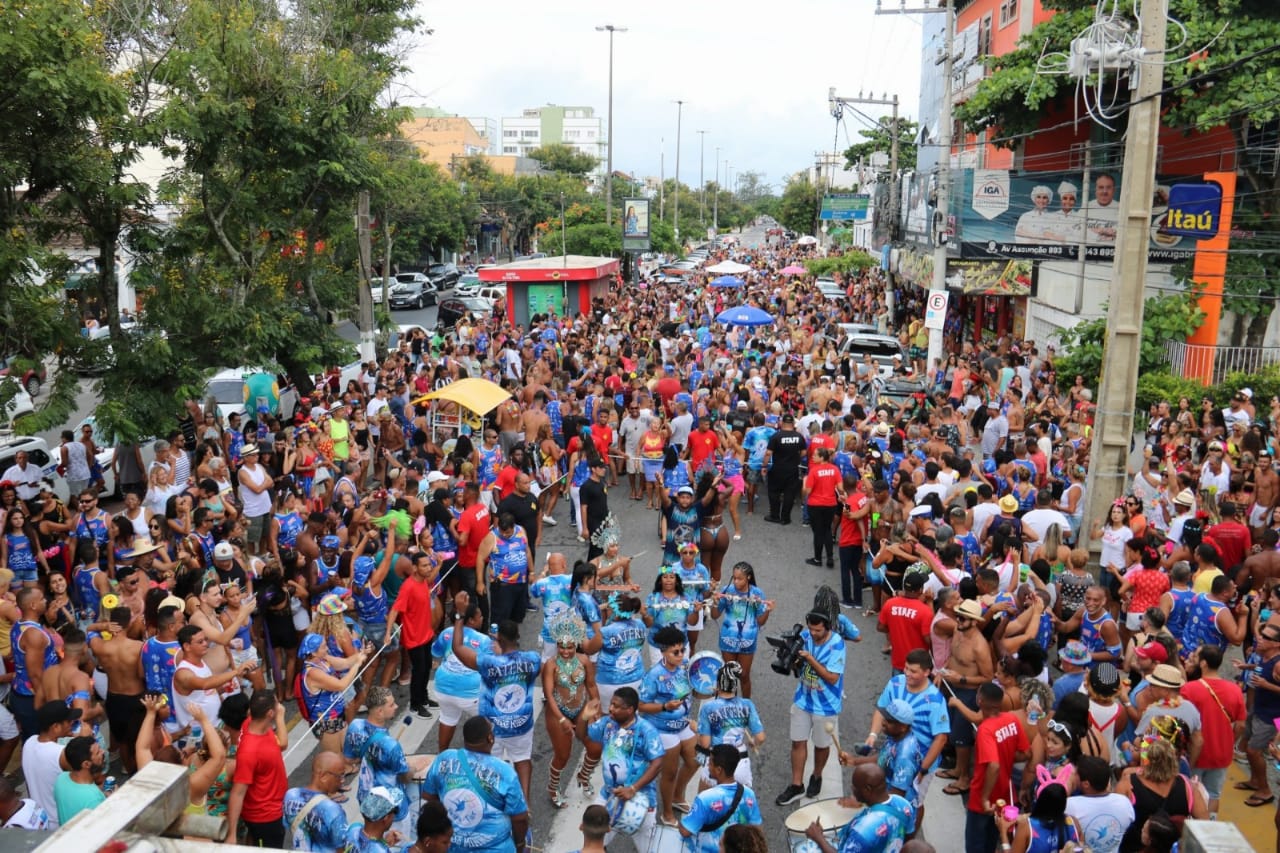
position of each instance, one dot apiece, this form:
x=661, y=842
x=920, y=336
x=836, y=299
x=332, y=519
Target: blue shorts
x=651, y=469
x=376, y=632
x=26, y=574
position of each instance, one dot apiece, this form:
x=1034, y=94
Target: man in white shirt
x=1184, y=507
x=25, y=476
x=985, y=510
x=1045, y=516
x=1101, y=815
x=42, y=754
x=19, y=812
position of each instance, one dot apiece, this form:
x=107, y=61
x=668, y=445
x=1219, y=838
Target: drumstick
x=831, y=730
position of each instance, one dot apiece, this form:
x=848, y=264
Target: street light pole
x=702, y=177
x=676, y=216
x=608, y=178
x=715, y=199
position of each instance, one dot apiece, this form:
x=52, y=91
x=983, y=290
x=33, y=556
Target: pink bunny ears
x=1044, y=778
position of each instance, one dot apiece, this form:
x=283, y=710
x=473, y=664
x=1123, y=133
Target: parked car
x=455, y=307
x=468, y=285
x=228, y=389
x=445, y=276
x=38, y=454
x=31, y=378
x=413, y=294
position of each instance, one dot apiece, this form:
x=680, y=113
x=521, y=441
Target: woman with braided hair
x=745, y=611
x=1143, y=585
x=568, y=681
x=729, y=719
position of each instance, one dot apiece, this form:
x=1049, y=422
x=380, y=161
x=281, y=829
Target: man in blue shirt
x=716, y=808
x=382, y=759
x=312, y=820
x=816, y=704
x=508, y=676
x=630, y=750
x=880, y=827
x=481, y=794
x=1074, y=659
x=930, y=721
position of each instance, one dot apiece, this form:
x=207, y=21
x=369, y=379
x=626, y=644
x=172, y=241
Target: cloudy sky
x=753, y=75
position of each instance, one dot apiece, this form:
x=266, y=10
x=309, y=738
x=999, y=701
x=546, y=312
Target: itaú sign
x=1195, y=210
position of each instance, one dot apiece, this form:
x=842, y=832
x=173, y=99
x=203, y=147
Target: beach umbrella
x=728, y=268
x=744, y=315
x=793, y=269
x=727, y=281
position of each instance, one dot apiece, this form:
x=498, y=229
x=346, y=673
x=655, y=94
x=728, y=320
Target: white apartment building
x=577, y=127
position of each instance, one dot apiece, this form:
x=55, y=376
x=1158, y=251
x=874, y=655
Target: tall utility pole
x=676, y=218
x=1114, y=424
x=715, y=199
x=702, y=176
x=364, y=240
x=943, y=210
x=837, y=102
x=608, y=178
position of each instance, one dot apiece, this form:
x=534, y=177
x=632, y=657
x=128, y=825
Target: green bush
x=1155, y=387
x=849, y=263
x=1265, y=384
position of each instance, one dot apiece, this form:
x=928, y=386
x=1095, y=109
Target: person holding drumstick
x=630, y=749
x=729, y=719
x=883, y=825
x=665, y=701
x=728, y=802
x=745, y=610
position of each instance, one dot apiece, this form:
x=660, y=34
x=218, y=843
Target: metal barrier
x=1198, y=359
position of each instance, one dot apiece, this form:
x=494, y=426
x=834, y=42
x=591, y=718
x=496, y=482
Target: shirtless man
x=205, y=617
x=820, y=396
x=508, y=418
x=1266, y=485
x=1263, y=563
x=120, y=657
x=532, y=419
x=1017, y=417
x=970, y=665
x=67, y=682
x=133, y=595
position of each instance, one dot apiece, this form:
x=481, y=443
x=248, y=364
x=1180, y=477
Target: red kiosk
x=561, y=285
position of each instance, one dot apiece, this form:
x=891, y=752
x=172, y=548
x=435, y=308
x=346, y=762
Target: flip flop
x=954, y=790
x=681, y=807
x=947, y=774
x=1259, y=800
x=1245, y=786
x=663, y=822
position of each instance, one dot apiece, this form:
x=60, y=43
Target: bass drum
x=704, y=669
x=666, y=839
x=832, y=816
x=626, y=816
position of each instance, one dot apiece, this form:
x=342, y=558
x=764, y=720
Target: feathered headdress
x=568, y=628
x=608, y=533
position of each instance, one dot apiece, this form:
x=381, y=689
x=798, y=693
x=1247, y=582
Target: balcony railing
x=1198, y=360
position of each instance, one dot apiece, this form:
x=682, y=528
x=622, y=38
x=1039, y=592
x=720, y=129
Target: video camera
x=789, y=646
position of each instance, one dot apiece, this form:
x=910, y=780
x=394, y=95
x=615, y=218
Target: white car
x=106, y=445
x=468, y=285
x=18, y=405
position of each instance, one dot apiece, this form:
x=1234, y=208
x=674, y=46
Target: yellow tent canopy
x=476, y=395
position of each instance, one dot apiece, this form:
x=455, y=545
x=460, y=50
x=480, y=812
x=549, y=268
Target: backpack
x=297, y=697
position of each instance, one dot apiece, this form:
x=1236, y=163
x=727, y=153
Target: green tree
x=558, y=157
x=879, y=140
x=1170, y=317
x=798, y=210
x=1234, y=83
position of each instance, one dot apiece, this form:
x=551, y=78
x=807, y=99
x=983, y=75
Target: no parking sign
x=935, y=314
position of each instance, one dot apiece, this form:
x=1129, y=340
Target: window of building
x=984, y=36
x=572, y=134
x=510, y=149
x=510, y=134
x=591, y=134
x=1008, y=12
x=529, y=134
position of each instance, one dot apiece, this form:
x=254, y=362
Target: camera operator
x=816, y=703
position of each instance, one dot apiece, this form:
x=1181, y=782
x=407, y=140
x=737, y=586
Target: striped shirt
x=930, y=707
x=813, y=694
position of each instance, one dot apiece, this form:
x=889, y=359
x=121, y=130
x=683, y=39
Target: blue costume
x=814, y=695
x=481, y=795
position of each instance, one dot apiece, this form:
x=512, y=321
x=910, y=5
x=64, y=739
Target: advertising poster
x=991, y=278
x=1051, y=215
x=635, y=224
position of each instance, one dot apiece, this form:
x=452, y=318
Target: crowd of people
x=262, y=567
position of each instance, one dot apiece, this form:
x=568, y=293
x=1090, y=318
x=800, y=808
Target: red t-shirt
x=998, y=738
x=602, y=438
x=820, y=439
x=908, y=622
x=475, y=522
x=821, y=481
x=702, y=443
x=506, y=482
x=666, y=388
x=851, y=528
x=260, y=765
x=1148, y=587
x=1215, y=720
x=1233, y=541
x=413, y=602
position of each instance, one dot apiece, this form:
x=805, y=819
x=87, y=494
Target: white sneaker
x=546, y=519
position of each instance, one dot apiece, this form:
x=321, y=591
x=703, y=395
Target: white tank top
x=259, y=503
x=139, y=523
x=209, y=700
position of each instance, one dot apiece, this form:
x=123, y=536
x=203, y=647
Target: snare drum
x=704, y=668
x=626, y=816
x=666, y=839
x=832, y=816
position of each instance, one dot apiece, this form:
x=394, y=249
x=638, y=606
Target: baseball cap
x=914, y=581
x=685, y=490
x=437, y=477
x=224, y=551
x=741, y=404
x=380, y=802
x=1153, y=651
x=788, y=418
x=51, y=713
x=899, y=710
x=1105, y=678
x=330, y=542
